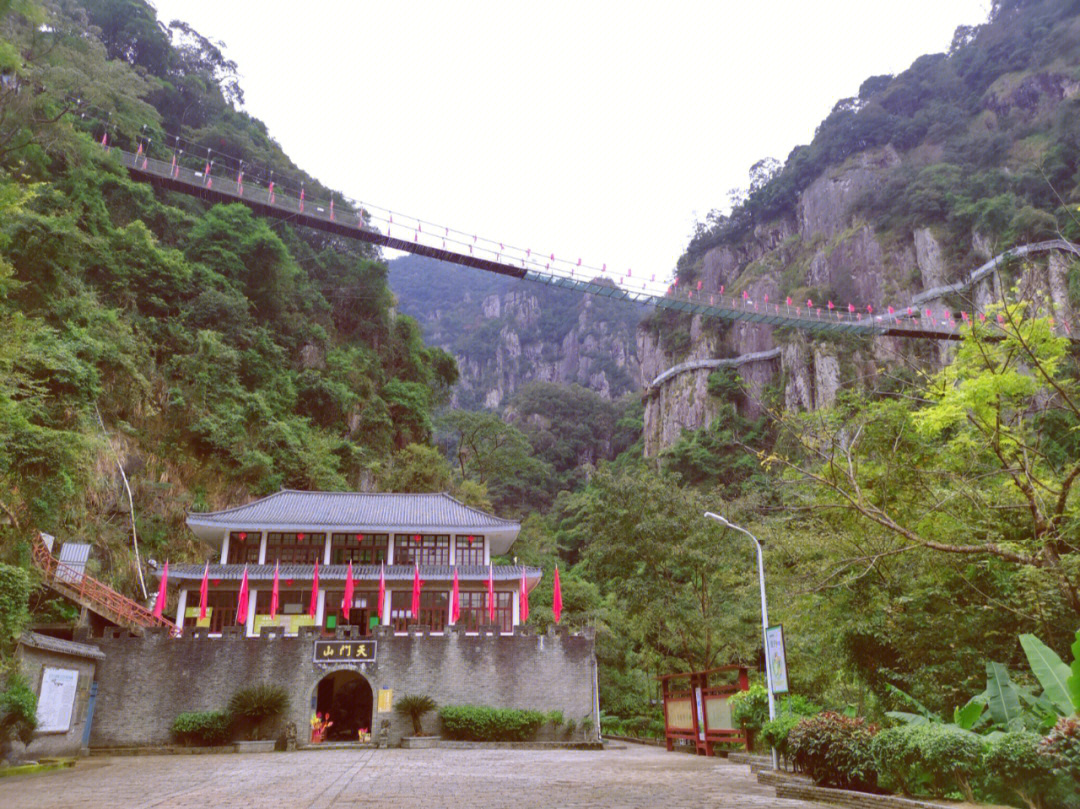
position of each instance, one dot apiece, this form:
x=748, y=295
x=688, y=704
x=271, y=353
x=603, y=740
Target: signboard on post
x=56, y=700
x=776, y=659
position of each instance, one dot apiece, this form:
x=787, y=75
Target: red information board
x=696, y=707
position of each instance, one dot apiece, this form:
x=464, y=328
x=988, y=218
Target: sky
x=601, y=130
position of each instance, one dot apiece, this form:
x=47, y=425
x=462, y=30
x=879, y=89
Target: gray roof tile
x=67, y=647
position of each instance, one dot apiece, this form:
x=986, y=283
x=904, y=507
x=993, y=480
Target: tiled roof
x=66, y=647
x=355, y=510
x=360, y=572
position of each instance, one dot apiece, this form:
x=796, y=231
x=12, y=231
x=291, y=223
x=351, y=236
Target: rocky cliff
x=889, y=222
x=505, y=333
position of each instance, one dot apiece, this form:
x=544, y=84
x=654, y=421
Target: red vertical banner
x=382, y=590
x=556, y=601
x=455, y=600
x=347, y=599
x=163, y=592
x=491, y=594
x=523, y=599
x=417, y=586
x=313, y=604
x=242, y=600
x=274, y=593
x=204, y=592
x=301, y=199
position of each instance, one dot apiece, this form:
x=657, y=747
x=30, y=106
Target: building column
x=262, y=548
x=224, y=547
x=181, y=606
x=453, y=549
x=389, y=549
x=326, y=549
x=320, y=609
x=515, y=604
x=487, y=552
x=384, y=617
x=450, y=605
x=253, y=601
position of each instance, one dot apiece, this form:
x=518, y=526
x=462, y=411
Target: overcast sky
x=598, y=130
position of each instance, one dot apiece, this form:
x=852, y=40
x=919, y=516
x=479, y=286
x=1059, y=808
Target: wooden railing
x=82, y=588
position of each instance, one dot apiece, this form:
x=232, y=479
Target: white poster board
x=776, y=658
x=56, y=700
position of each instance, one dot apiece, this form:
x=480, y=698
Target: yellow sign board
x=193, y=612
x=386, y=700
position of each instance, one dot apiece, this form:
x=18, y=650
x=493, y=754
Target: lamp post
x=764, y=618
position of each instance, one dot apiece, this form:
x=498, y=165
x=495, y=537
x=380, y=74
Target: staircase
x=74, y=583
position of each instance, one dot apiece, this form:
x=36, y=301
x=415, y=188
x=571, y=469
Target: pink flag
x=556, y=601
x=417, y=586
x=382, y=589
x=271, y=192
x=240, y=182
x=105, y=138
x=301, y=199
x=491, y=594
x=455, y=600
x=788, y=301
x=274, y=595
x=313, y=605
x=523, y=600
x=332, y=212
x=242, y=601
x=204, y=592
x=851, y=308
x=350, y=586
x=163, y=592
x=830, y=306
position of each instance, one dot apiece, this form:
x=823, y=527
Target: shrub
x=257, y=706
x=15, y=590
x=834, y=750
x=18, y=711
x=1014, y=765
x=775, y=733
x=481, y=724
x=415, y=706
x=555, y=718
x=750, y=709
x=892, y=755
x=202, y=727
x=949, y=755
x=1062, y=747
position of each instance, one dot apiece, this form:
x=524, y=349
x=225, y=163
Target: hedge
x=483, y=724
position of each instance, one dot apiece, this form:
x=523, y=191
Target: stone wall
x=145, y=682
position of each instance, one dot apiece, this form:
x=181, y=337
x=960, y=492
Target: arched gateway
x=346, y=696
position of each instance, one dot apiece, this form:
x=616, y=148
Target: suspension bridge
x=207, y=179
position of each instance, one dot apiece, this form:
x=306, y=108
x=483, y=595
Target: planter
x=419, y=742
x=260, y=746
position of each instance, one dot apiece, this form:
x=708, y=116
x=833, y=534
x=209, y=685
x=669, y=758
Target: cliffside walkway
x=375, y=225
x=78, y=586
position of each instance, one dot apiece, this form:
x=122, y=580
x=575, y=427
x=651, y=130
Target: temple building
x=389, y=535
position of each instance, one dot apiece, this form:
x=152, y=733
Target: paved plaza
x=635, y=776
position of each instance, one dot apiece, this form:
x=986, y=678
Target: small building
x=381, y=534
x=61, y=674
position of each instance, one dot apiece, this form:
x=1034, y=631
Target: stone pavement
x=636, y=776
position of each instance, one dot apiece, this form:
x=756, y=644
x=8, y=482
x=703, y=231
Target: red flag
x=313, y=605
x=301, y=199
x=830, y=306
x=417, y=586
x=788, y=300
x=491, y=594
x=105, y=138
x=556, y=601
x=346, y=601
x=162, y=593
x=204, y=592
x=523, y=599
x=851, y=308
x=274, y=596
x=240, y=182
x=242, y=601
x=382, y=589
x=455, y=601
x=332, y=211
x=271, y=195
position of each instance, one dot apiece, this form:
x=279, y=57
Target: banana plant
x=1052, y=674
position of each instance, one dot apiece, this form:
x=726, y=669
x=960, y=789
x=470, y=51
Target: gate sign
x=56, y=700
x=345, y=651
x=776, y=659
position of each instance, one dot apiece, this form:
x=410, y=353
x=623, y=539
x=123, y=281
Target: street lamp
x=764, y=618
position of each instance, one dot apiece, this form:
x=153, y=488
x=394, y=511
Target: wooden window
x=434, y=606
x=297, y=549
x=244, y=547
x=361, y=549
x=474, y=610
x=468, y=550
x=426, y=549
x=364, y=609
x=290, y=602
x=221, y=609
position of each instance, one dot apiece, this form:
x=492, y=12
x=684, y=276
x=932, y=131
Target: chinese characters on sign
x=57, y=699
x=777, y=660
x=345, y=651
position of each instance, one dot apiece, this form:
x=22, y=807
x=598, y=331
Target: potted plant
x=414, y=706
x=255, y=711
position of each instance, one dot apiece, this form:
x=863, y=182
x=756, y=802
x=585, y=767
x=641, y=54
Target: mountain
x=908, y=186
x=506, y=333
